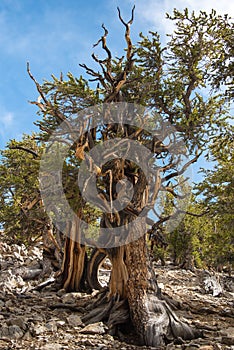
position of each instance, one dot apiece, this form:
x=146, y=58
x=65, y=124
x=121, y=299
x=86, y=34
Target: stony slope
x=49, y=319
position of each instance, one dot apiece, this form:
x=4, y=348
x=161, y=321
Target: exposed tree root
x=110, y=311
x=160, y=325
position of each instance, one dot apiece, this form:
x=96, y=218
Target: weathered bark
x=119, y=276
x=152, y=316
x=73, y=271
x=52, y=250
x=95, y=260
x=133, y=284
x=133, y=292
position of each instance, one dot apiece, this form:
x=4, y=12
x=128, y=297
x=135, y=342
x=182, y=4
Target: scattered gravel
x=32, y=319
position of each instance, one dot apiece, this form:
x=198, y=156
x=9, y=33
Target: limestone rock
x=94, y=328
x=68, y=298
x=74, y=320
x=39, y=329
x=212, y=285
x=51, y=326
x=19, y=321
x=15, y=332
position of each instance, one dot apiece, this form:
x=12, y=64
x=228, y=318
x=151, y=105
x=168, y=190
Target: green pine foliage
x=21, y=213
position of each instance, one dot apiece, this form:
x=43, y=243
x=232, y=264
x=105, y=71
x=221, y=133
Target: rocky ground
x=48, y=319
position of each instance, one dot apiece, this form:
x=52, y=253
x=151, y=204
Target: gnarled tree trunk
x=52, y=249
x=152, y=317
x=133, y=289
x=73, y=271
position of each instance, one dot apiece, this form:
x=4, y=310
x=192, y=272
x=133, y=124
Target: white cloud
x=7, y=127
x=6, y=120
x=152, y=12
x=43, y=40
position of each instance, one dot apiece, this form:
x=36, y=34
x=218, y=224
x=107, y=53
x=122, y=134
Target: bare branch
x=130, y=21
x=37, y=84
x=107, y=61
x=192, y=214
x=127, y=33
x=30, y=205
x=103, y=41
x=180, y=172
x=116, y=82
x=156, y=186
x=60, y=117
x=26, y=150
x=39, y=105
x=43, y=128
x=176, y=195
x=98, y=76
x=121, y=79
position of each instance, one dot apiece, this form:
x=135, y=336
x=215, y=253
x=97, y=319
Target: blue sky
x=57, y=35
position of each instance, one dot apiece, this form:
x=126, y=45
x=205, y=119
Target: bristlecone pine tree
x=218, y=201
x=168, y=81
x=21, y=213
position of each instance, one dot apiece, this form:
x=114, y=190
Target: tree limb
x=180, y=172
x=36, y=155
